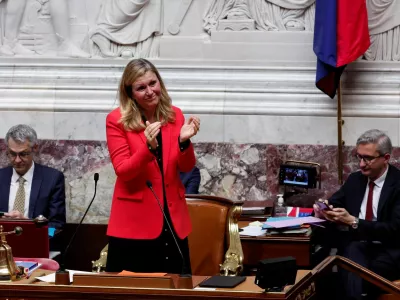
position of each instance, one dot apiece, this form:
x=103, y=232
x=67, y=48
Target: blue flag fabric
x=340, y=36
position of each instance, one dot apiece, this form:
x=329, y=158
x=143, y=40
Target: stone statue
x=269, y=15
x=12, y=22
x=128, y=28
x=59, y=15
x=384, y=30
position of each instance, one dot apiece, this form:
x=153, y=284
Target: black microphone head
x=96, y=176
x=148, y=183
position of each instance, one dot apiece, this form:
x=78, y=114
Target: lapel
x=142, y=137
x=387, y=189
x=36, y=183
x=359, y=195
x=5, y=189
x=166, y=145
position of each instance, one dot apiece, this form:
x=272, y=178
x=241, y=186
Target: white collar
x=379, y=182
x=28, y=176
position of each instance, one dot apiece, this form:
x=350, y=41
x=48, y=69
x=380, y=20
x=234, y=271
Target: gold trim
x=100, y=264
x=233, y=263
x=340, y=141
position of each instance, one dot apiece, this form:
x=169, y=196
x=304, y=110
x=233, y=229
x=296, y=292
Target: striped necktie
x=19, y=203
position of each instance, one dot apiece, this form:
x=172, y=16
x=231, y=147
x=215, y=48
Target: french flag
x=340, y=36
x=299, y=211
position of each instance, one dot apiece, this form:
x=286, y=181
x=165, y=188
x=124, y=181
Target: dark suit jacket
x=387, y=227
x=47, y=196
x=191, y=181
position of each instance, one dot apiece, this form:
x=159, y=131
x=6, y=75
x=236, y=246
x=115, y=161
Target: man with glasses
x=28, y=189
x=365, y=214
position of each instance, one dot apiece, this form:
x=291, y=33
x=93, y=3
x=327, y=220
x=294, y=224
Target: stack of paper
x=288, y=222
x=252, y=231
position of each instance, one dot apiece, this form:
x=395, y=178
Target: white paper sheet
x=51, y=278
x=252, y=231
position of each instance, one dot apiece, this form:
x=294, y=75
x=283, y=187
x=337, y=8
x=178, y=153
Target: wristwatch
x=354, y=225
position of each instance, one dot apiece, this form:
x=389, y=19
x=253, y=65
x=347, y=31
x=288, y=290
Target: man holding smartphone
x=365, y=214
x=28, y=189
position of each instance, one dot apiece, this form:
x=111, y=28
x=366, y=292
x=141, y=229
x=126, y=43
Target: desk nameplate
x=107, y=279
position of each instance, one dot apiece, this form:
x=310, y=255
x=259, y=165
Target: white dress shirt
x=375, y=197
x=27, y=185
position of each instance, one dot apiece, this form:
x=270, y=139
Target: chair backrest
x=214, y=242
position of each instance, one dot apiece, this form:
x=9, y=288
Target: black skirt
x=157, y=255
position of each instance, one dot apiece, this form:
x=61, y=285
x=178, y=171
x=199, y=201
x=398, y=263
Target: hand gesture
x=339, y=215
x=151, y=132
x=14, y=214
x=319, y=209
x=189, y=129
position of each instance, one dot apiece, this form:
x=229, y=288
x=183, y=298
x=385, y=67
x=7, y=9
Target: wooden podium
x=306, y=287
x=246, y=290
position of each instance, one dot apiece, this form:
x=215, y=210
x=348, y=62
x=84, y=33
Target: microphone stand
x=185, y=277
x=62, y=276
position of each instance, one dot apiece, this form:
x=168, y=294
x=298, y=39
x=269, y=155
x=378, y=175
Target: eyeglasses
x=367, y=159
x=22, y=155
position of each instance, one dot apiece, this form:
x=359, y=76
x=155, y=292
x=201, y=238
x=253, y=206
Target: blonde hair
x=131, y=115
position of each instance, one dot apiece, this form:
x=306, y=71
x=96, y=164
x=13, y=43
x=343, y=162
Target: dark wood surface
x=247, y=290
x=262, y=247
x=91, y=239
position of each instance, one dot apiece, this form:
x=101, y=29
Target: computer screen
x=300, y=176
x=296, y=176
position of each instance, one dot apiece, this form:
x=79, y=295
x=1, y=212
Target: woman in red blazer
x=149, y=141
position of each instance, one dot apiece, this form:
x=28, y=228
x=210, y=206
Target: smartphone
x=323, y=205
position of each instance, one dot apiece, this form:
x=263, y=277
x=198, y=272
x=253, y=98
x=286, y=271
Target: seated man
x=365, y=214
x=27, y=189
x=191, y=181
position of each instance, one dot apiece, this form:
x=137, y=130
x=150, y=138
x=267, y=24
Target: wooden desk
x=262, y=247
x=305, y=286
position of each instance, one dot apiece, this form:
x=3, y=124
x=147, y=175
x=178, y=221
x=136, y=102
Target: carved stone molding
x=237, y=25
x=259, y=88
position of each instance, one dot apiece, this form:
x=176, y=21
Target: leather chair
x=214, y=242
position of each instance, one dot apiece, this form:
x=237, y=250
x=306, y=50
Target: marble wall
x=250, y=78
x=236, y=171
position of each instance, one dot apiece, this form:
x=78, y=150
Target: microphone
x=184, y=272
x=61, y=279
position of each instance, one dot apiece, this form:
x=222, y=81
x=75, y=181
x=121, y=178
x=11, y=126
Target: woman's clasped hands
x=151, y=132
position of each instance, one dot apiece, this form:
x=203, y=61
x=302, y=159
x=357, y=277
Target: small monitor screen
x=296, y=177
x=300, y=176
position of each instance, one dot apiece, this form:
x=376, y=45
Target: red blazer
x=134, y=212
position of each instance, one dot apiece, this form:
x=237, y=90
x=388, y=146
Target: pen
x=31, y=279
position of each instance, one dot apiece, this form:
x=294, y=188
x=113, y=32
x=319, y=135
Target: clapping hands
x=189, y=129
x=151, y=132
